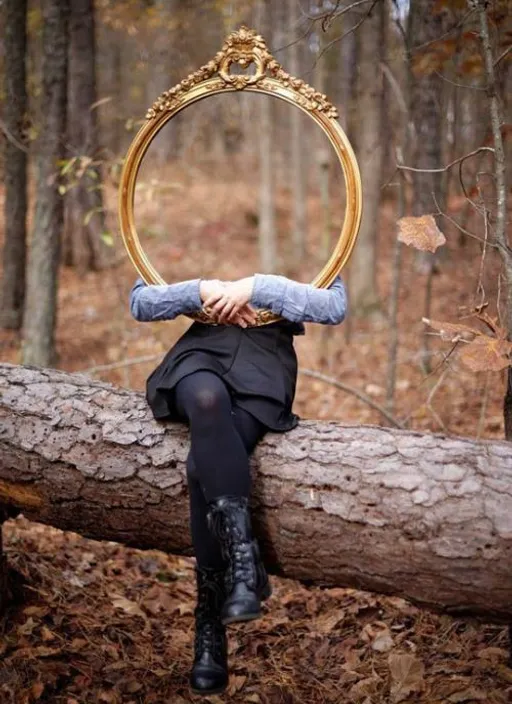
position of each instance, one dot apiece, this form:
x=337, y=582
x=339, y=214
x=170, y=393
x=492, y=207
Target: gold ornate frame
x=243, y=47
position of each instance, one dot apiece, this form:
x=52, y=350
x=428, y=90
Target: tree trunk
x=15, y=165
x=423, y=516
x=163, y=52
x=267, y=219
x=109, y=86
x=367, y=134
x=425, y=25
x=298, y=165
x=42, y=273
x=84, y=247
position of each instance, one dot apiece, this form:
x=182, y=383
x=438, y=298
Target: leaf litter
x=127, y=637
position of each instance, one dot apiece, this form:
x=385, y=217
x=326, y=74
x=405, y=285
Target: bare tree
x=425, y=26
x=162, y=77
x=500, y=233
x=84, y=246
x=267, y=224
x=42, y=273
x=298, y=171
x=15, y=174
x=368, y=143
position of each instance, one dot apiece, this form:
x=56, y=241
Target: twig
x=431, y=395
x=456, y=84
x=330, y=14
x=459, y=227
x=452, y=163
x=483, y=408
x=355, y=392
x=458, y=24
x=120, y=364
x=503, y=54
x=306, y=372
x=345, y=34
x=12, y=139
x=482, y=258
x=295, y=41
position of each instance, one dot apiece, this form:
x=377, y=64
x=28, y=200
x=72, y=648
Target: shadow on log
x=426, y=517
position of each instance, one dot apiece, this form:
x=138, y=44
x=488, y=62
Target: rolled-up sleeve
x=164, y=302
x=299, y=302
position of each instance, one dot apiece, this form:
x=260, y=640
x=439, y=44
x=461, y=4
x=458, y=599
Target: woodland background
x=230, y=187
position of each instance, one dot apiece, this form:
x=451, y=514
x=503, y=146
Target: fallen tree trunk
x=423, y=516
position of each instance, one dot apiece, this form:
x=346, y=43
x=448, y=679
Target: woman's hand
x=232, y=301
x=217, y=297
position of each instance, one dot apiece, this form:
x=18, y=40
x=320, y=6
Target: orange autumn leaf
x=487, y=354
x=421, y=233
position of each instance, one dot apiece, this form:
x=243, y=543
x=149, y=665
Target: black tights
x=221, y=439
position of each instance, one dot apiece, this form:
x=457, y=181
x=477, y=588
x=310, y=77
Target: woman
x=230, y=383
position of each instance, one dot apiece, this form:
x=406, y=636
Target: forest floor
x=98, y=622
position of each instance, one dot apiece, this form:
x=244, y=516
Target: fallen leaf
x=383, y=643
x=505, y=673
x=421, y=233
x=326, y=622
x=236, y=683
x=406, y=675
x=364, y=687
x=37, y=689
x=47, y=635
x=467, y=695
x=129, y=607
x=493, y=654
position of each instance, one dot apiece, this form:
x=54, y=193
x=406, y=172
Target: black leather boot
x=210, y=669
x=246, y=580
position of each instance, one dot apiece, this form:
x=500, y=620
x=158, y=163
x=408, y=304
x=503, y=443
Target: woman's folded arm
x=164, y=302
x=299, y=302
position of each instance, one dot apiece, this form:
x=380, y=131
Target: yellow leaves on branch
x=482, y=353
x=420, y=233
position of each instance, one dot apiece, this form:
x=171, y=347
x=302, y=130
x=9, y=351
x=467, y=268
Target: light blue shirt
x=300, y=303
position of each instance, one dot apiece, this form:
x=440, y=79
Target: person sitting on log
x=230, y=382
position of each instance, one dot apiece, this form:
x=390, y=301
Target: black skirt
x=258, y=365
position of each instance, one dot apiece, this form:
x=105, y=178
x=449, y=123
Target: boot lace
x=241, y=565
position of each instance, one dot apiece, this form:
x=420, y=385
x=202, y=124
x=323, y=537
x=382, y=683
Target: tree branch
x=448, y=166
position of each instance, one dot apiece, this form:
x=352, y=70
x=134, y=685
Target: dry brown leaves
x=482, y=353
x=100, y=623
x=421, y=233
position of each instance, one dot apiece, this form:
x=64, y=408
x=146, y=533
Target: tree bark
x=40, y=311
x=84, y=247
x=426, y=517
x=367, y=133
x=15, y=165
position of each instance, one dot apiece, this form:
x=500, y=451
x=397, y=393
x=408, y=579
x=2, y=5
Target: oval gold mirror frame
x=243, y=47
